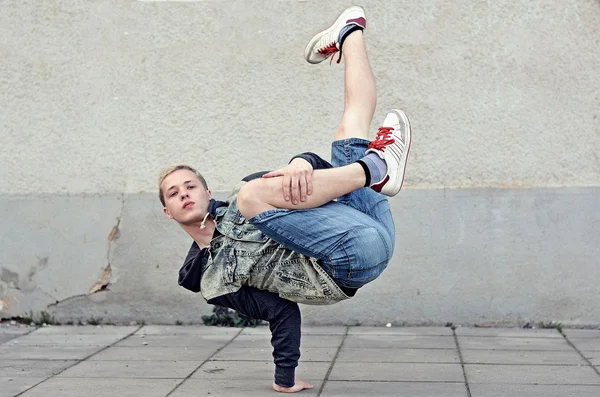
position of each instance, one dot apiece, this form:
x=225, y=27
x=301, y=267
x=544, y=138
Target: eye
x=191, y=186
x=173, y=193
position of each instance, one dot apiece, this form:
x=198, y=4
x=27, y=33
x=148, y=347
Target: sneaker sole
x=404, y=118
x=313, y=42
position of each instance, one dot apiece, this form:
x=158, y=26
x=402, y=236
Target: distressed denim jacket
x=242, y=255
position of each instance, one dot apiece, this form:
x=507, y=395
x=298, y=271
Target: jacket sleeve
x=284, y=321
x=190, y=273
x=315, y=160
x=317, y=163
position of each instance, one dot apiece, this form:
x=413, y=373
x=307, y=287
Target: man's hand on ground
x=297, y=180
x=298, y=386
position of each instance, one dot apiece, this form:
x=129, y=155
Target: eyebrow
x=174, y=186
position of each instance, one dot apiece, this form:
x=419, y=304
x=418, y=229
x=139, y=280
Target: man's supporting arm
x=284, y=321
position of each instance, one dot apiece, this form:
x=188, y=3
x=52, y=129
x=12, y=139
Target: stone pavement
x=178, y=361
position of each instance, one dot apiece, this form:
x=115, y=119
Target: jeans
x=352, y=237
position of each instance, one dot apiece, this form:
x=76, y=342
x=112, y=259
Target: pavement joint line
x=204, y=362
x=508, y=337
x=337, y=353
x=454, y=382
x=595, y=369
x=527, y=365
x=462, y=363
x=483, y=349
x=77, y=361
x=368, y=362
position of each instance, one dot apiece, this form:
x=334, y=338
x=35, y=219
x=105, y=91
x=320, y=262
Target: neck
x=201, y=231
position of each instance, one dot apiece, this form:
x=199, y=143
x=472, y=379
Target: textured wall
x=97, y=97
x=499, y=220
x=467, y=256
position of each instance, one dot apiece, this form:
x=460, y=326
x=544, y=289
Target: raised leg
x=360, y=91
x=360, y=100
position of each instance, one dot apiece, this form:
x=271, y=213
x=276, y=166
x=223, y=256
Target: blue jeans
x=352, y=237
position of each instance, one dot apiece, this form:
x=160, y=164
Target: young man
x=311, y=232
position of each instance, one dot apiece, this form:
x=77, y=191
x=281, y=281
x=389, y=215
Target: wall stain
x=9, y=277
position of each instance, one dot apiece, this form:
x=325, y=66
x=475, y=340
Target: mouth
x=188, y=204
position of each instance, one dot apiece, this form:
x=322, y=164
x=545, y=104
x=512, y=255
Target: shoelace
x=329, y=50
x=383, y=138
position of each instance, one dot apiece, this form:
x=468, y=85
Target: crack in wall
x=55, y=299
x=105, y=280
x=107, y=275
x=70, y=298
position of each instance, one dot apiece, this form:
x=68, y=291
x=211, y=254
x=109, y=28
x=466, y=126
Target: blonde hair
x=168, y=171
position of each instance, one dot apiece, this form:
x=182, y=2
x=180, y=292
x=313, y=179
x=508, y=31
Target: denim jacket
x=240, y=254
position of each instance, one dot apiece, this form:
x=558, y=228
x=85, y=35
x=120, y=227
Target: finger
x=272, y=174
x=309, y=185
x=302, y=182
x=295, y=189
x=286, y=187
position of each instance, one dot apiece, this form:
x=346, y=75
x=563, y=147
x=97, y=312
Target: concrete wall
x=499, y=218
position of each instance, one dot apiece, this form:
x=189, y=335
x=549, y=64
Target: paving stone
x=380, y=389
x=72, y=340
x=78, y=387
x=7, y=327
x=177, y=340
x=234, y=388
x=306, y=330
x=501, y=343
x=257, y=370
x=587, y=344
x=426, y=331
x=529, y=374
x=265, y=354
x=6, y=337
x=187, y=330
x=17, y=352
x=581, y=333
x=154, y=353
x=399, y=341
x=594, y=357
x=509, y=332
x=9, y=333
x=118, y=331
x=132, y=369
x=33, y=368
x=11, y=386
x=486, y=390
x=308, y=341
x=397, y=372
x=399, y=355
x=567, y=357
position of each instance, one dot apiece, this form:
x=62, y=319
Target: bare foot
x=298, y=386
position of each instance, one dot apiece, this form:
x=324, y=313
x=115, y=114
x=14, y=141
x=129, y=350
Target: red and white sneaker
x=326, y=43
x=392, y=145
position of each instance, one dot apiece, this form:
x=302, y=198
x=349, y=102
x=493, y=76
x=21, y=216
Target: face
x=186, y=200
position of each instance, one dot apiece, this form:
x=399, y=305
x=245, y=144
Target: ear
x=167, y=213
x=209, y=194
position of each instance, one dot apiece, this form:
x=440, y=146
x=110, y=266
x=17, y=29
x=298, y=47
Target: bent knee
x=247, y=199
x=256, y=196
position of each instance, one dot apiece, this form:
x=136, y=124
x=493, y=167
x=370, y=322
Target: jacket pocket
x=230, y=265
x=235, y=226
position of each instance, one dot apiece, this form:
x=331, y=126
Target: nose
x=184, y=195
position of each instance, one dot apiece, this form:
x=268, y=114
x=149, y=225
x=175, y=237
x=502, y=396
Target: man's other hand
x=297, y=180
x=298, y=386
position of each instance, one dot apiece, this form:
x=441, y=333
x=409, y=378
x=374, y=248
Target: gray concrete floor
x=178, y=361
